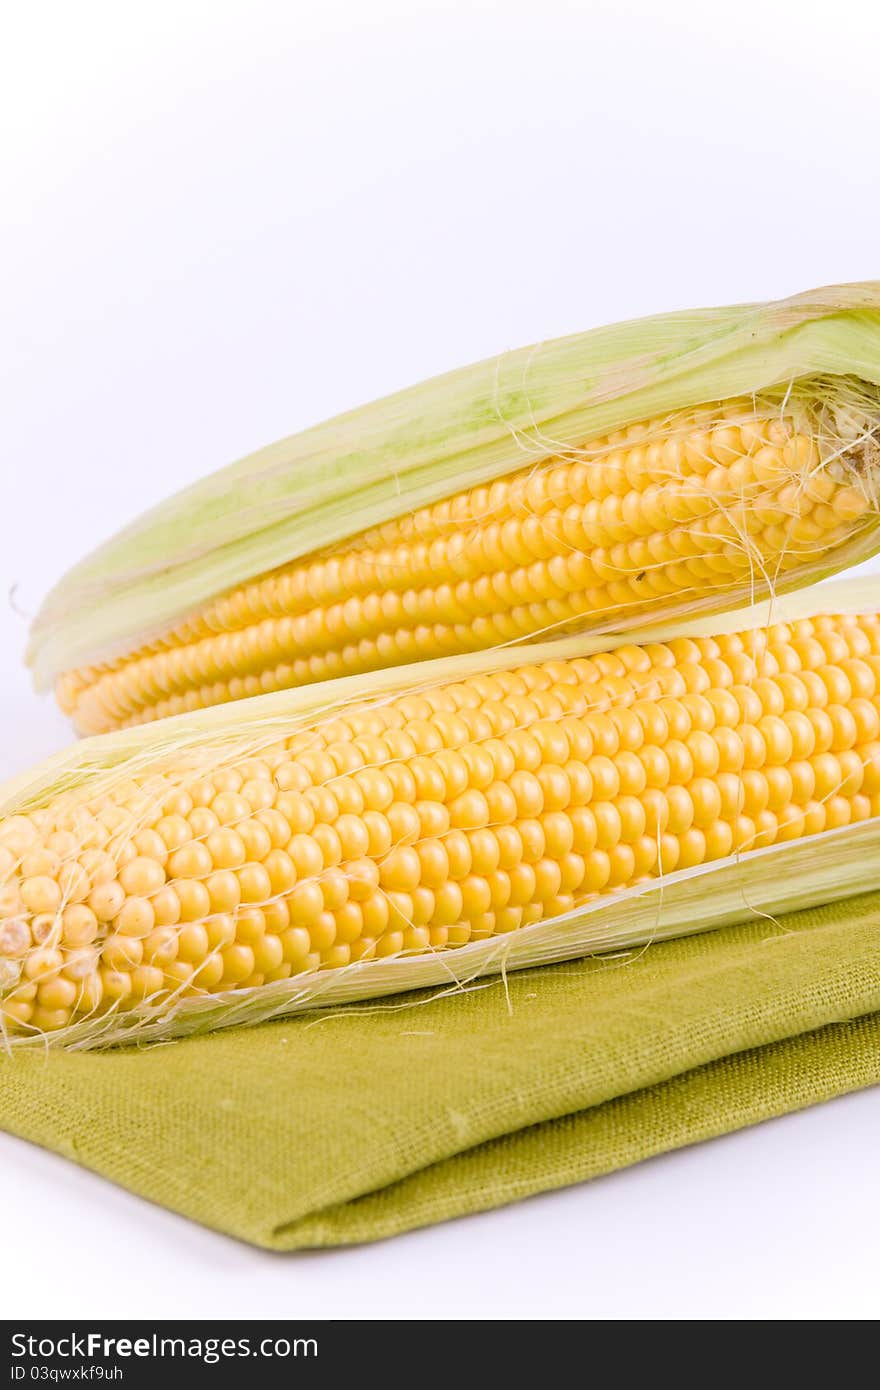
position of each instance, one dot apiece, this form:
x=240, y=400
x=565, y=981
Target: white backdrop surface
x=225, y=221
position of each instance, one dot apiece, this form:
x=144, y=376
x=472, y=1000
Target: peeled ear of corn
x=489, y=811
x=683, y=464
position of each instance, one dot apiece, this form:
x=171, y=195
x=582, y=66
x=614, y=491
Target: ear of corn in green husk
x=682, y=464
x=477, y=813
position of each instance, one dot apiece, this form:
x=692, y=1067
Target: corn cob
x=676, y=466
x=470, y=807
x=711, y=499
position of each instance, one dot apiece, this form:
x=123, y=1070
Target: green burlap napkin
x=334, y=1129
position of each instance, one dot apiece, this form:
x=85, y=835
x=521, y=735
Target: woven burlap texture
x=342, y=1128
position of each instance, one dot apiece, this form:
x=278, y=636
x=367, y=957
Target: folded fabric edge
x=718, y=1098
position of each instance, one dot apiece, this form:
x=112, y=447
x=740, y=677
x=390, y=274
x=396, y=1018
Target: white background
x=224, y=221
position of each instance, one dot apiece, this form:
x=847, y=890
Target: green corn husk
x=468, y=427
x=785, y=877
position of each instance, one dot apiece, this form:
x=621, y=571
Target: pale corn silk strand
x=712, y=506
x=249, y=861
